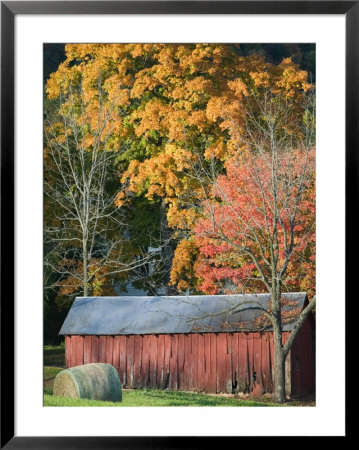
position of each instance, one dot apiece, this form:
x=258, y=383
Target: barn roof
x=175, y=314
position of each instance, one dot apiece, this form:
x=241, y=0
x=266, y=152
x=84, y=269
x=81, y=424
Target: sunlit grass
x=145, y=397
x=157, y=398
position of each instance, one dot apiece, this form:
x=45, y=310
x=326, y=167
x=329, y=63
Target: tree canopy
x=212, y=160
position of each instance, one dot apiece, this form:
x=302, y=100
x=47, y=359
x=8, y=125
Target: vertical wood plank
x=194, y=362
x=235, y=361
x=221, y=352
x=79, y=350
x=87, y=349
x=213, y=363
x=116, y=353
x=94, y=348
x=130, y=360
x=207, y=361
x=68, y=352
x=160, y=360
x=173, y=381
x=181, y=362
x=307, y=363
x=145, y=370
x=153, y=362
x=166, y=367
x=138, y=361
x=102, y=349
x=298, y=368
x=243, y=376
x=109, y=349
x=73, y=345
x=250, y=353
x=201, y=363
x=187, y=372
x=228, y=363
x=123, y=365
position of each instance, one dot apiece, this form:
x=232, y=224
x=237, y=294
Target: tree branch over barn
x=257, y=231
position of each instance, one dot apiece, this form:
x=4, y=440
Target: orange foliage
x=189, y=95
x=182, y=272
x=173, y=104
x=241, y=216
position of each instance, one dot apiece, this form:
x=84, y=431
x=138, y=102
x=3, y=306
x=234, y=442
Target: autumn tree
x=257, y=232
x=169, y=102
x=222, y=144
x=256, y=118
x=199, y=123
x=159, y=94
x=86, y=236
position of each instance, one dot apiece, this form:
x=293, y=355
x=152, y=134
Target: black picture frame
x=9, y=9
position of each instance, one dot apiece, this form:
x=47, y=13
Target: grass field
x=156, y=398
x=143, y=397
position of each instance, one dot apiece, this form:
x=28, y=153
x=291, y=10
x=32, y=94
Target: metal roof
x=170, y=315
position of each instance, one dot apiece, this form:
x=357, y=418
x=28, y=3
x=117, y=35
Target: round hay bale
x=94, y=381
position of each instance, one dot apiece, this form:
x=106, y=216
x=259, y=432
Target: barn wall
x=302, y=361
x=211, y=362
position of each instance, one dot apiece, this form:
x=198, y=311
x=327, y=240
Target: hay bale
x=94, y=381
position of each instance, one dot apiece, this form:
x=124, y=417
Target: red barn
x=195, y=343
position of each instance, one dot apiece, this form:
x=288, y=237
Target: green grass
x=49, y=378
x=157, y=398
x=145, y=397
x=50, y=400
x=54, y=355
x=50, y=372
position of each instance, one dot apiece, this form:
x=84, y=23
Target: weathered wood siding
x=210, y=362
x=303, y=361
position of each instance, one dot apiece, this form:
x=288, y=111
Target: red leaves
x=246, y=212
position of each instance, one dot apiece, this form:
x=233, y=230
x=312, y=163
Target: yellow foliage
x=182, y=266
x=180, y=99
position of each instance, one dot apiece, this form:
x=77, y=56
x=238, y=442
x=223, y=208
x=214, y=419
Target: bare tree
x=258, y=220
x=86, y=237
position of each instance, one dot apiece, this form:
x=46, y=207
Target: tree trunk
x=85, y=271
x=279, y=357
x=279, y=372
